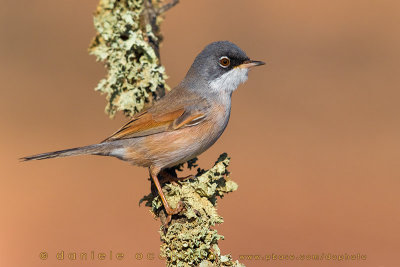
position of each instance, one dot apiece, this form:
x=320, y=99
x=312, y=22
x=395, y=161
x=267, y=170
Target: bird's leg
x=167, y=176
x=170, y=211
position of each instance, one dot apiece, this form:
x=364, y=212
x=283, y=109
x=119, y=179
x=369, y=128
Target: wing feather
x=147, y=124
x=170, y=113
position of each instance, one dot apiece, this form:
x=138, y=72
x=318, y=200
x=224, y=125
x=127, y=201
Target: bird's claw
x=171, y=212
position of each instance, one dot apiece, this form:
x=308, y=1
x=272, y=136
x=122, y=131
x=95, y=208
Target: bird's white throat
x=229, y=81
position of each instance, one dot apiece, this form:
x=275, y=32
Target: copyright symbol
x=43, y=255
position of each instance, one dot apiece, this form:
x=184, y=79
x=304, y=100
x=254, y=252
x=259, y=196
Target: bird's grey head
x=222, y=66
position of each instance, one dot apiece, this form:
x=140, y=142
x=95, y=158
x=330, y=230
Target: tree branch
x=167, y=6
x=128, y=40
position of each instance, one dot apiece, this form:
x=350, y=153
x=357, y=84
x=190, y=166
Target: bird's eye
x=224, y=62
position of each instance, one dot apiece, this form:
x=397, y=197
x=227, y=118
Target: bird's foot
x=166, y=177
x=171, y=212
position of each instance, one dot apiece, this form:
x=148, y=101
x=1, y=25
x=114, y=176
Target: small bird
x=182, y=124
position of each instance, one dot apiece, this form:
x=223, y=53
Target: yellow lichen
x=192, y=240
x=127, y=41
x=122, y=41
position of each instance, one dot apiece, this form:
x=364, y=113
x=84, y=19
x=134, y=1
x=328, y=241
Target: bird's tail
x=97, y=149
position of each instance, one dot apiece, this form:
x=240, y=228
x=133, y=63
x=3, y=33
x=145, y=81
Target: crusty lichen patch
x=127, y=41
x=123, y=43
x=190, y=239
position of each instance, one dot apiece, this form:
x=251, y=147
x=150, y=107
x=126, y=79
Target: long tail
x=97, y=149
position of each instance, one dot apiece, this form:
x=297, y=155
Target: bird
x=182, y=124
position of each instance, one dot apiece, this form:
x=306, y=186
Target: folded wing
x=147, y=123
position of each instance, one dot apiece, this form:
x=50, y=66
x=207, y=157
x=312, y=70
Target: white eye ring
x=224, y=61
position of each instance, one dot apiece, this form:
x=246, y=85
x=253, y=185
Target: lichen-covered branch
x=190, y=239
x=128, y=40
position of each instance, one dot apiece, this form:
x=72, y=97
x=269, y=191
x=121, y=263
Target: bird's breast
x=219, y=118
x=173, y=147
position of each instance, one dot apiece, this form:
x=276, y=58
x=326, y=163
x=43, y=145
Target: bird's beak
x=250, y=63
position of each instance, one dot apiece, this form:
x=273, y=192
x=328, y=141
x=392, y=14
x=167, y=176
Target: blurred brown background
x=314, y=135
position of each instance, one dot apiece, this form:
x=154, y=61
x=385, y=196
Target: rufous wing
x=147, y=123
